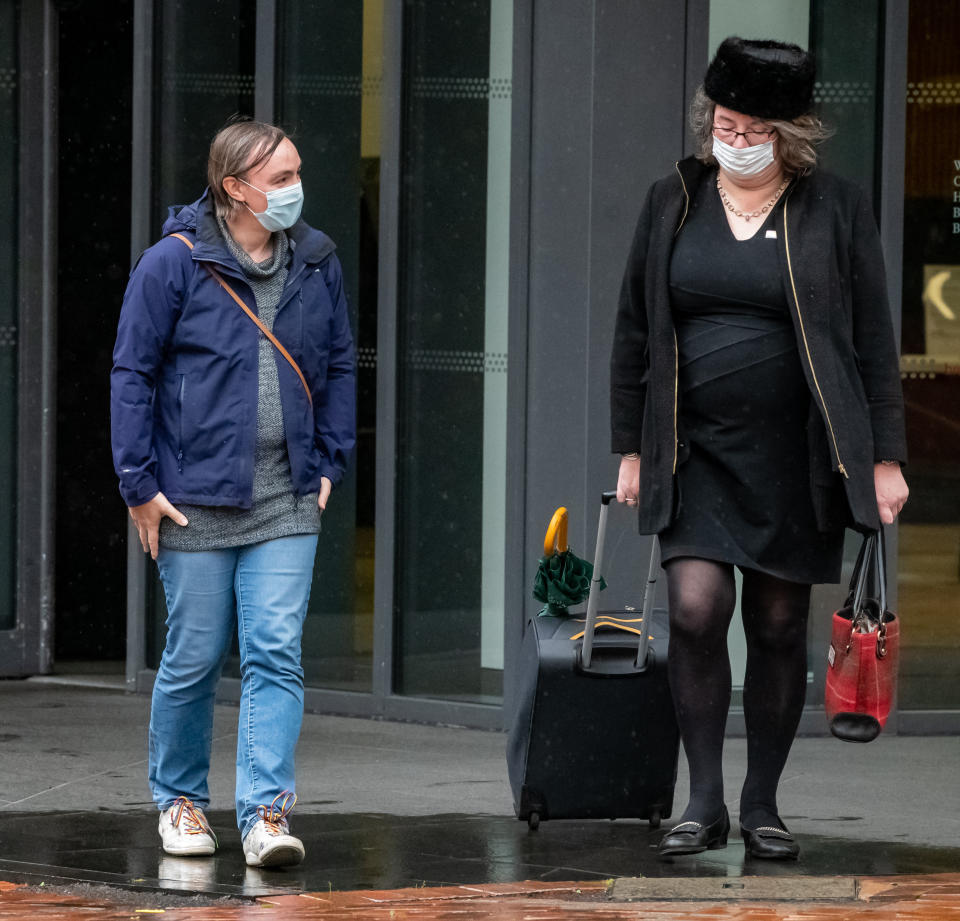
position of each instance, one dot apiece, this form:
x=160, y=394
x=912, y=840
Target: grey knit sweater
x=277, y=511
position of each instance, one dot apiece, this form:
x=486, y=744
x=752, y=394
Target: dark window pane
x=328, y=97
x=205, y=74
x=93, y=246
x=452, y=348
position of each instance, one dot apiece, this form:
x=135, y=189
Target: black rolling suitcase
x=595, y=734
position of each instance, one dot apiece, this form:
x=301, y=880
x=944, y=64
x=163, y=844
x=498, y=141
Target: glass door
x=929, y=563
x=452, y=349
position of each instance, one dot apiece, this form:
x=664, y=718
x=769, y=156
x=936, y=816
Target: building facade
x=480, y=164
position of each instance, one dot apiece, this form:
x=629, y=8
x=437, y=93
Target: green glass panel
x=452, y=348
x=845, y=41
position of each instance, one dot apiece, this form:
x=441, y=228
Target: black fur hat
x=763, y=79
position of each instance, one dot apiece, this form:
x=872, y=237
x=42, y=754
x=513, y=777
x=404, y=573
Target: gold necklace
x=761, y=211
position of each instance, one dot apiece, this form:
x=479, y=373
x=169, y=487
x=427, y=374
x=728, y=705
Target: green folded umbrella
x=562, y=579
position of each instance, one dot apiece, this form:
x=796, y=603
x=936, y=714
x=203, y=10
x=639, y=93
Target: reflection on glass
x=205, y=74
x=452, y=338
x=9, y=88
x=845, y=40
x=329, y=97
x=929, y=562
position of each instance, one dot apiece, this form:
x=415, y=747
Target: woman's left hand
x=891, y=490
x=325, y=487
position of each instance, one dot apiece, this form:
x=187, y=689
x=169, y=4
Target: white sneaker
x=269, y=843
x=185, y=831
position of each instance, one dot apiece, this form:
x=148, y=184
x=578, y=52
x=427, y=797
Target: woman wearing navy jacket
x=227, y=444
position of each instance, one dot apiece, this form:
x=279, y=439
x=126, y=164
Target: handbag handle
x=254, y=317
x=864, y=561
x=857, y=569
x=882, y=579
x=872, y=557
x=882, y=571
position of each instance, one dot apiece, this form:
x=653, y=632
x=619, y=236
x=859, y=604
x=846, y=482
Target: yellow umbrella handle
x=555, y=540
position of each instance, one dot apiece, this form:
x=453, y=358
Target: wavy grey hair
x=797, y=139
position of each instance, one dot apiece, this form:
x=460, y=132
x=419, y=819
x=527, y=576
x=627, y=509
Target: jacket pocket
x=181, y=394
x=299, y=342
x=288, y=325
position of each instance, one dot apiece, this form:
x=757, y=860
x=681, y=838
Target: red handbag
x=864, y=651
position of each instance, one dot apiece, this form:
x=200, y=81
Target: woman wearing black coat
x=757, y=408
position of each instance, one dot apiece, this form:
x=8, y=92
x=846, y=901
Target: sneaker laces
x=195, y=822
x=275, y=818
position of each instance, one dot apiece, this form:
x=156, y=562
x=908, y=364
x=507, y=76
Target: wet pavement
x=386, y=852
x=407, y=821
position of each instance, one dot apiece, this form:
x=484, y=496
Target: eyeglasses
x=729, y=136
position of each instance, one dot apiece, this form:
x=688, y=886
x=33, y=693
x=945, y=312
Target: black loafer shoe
x=770, y=843
x=694, y=837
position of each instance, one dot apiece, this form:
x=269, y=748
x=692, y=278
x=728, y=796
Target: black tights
x=702, y=597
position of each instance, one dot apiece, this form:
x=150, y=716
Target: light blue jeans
x=261, y=590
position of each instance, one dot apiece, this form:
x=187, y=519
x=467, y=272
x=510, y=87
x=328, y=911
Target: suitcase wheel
x=654, y=819
x=533, y=821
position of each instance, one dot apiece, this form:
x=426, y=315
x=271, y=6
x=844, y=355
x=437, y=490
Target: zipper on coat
x=676, y=347
x=806, y=344
x=686, y=196
x=183, y=384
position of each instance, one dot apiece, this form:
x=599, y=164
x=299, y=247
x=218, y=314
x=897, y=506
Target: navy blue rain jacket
x=183, y=389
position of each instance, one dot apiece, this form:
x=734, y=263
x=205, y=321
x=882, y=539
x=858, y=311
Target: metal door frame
x=27, y=649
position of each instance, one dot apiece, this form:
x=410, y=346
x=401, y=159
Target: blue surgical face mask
x=283, y=206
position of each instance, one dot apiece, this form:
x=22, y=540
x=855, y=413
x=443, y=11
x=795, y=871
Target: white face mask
x=743, y=161
x=283, y=206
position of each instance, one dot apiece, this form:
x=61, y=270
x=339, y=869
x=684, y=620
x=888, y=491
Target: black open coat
x=833, y=275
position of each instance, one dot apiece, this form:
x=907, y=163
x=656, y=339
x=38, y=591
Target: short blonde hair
x=797, y=138
x=238, y=148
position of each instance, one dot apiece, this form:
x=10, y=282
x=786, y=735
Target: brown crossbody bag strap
x=253, y=317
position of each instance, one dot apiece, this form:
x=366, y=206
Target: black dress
x=743, y=484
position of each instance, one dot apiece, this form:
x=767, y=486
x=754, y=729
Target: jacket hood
x=312, y=245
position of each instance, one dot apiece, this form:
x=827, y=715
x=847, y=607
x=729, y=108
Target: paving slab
x=929, y=899
x=744, y=888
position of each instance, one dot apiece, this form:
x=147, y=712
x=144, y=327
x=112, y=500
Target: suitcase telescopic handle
x=593, y=601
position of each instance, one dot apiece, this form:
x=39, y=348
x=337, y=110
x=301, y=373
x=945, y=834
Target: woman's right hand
x=628, y=480
x=147, y=519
